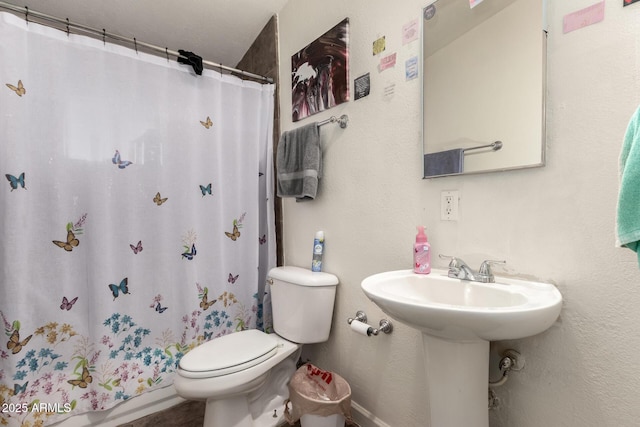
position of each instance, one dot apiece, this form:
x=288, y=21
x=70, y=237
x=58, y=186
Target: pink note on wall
x=581, y=18
x=387, y=62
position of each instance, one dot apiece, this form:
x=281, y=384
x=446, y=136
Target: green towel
x=628, y=219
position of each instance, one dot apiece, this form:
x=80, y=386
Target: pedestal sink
x=458, y=319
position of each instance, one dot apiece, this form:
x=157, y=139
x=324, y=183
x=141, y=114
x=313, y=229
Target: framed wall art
x=319, y=73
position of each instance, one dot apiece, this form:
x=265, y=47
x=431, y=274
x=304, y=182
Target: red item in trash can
x=317, y=392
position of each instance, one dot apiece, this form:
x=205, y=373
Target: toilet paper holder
x=384, y=325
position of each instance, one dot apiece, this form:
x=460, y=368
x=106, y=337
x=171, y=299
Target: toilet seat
x=229, y=354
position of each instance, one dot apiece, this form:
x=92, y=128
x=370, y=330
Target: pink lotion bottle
x=421, y=253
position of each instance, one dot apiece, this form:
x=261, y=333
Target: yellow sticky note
x=379, y=45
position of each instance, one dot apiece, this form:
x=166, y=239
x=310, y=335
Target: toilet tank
x=302, y=303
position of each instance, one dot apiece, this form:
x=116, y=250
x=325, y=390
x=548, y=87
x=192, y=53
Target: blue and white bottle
x=318, y=249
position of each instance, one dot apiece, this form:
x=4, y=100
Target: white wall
x=554, y=223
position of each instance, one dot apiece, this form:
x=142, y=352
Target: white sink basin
x=462, y=310
x=458, y=319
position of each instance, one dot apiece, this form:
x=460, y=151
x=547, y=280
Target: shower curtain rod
x=104, y=34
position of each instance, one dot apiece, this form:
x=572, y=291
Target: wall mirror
x=484, y=85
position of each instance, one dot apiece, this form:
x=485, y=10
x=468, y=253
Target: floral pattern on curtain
x=136, y=216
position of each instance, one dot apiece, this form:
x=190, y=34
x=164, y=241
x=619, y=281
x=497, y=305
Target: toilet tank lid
x=303, y=276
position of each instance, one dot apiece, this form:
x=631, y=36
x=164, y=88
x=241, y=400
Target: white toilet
x=244, y=376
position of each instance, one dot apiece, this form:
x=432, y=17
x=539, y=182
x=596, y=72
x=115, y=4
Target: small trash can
x=318, y=398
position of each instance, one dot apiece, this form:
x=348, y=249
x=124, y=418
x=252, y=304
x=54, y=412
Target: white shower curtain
x=135, y=221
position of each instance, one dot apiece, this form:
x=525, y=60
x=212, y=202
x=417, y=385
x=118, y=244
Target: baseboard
x=364, y=417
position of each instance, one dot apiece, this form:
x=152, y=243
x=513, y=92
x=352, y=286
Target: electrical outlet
x=449, y=205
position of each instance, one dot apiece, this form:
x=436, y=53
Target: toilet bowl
x=243, y=376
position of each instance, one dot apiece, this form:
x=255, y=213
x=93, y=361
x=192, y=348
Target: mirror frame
x=543, y=142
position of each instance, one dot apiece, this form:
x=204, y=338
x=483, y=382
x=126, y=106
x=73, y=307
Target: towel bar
x=342, y=120
x=495, y=146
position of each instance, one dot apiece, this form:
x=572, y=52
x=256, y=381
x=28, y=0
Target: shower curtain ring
x=67, y=27
x=26, y=14
x=135, y=44
x=166, y=50
x=104, y=36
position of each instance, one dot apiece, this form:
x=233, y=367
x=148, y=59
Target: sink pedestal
x=458, y=381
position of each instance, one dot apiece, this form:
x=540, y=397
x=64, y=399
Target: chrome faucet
x=458, y=269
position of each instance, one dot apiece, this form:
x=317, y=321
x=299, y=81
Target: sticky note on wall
x=387, y=62
x=410, y=31
x=379, y=45
x=584, y=17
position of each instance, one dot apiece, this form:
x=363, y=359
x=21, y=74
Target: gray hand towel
x=299, y=163
x=444, y=162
